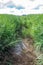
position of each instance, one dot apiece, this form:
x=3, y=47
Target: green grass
x=13, y=28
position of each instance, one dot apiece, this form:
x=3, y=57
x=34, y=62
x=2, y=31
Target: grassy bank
x=13, y=28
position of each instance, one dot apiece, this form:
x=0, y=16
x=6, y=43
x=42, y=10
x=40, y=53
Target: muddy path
x=22, y=54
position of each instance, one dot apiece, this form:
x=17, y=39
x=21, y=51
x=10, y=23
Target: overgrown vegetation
x=13, y=28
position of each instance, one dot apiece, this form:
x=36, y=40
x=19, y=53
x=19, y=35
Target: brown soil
x=27, y=56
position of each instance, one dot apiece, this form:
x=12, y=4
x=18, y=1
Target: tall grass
x=13, y=28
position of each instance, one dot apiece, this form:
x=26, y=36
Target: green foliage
x=23, y=26
x=7, y=31
x=13, y=28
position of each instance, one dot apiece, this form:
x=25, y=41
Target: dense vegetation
x=14, y=28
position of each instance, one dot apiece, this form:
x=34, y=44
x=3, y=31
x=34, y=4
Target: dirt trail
x=27, y=57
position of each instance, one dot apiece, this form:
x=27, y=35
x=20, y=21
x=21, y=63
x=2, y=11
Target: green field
x=14, y=28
